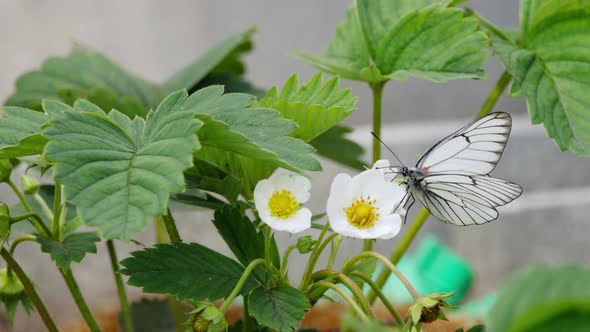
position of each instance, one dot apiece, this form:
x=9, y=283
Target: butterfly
x=452, y=178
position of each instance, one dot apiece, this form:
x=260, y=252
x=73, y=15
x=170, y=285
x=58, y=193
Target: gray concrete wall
x=154, y=38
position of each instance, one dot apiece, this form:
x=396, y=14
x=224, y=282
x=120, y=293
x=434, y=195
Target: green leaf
x=544, y=299
x=151, y=315
x=119, y=172
x=315, y=106
x=433, y=43
x=73, y=248
x=223, y=57
x=280, y=308
x=334, y=145
x=19, y=132
x=551, y=69
x=82, y=70
x=377, y=17
x=404, y=39
x=246, y=142
x=188, y=271
x=238, y=231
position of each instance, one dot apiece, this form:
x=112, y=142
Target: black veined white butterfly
x=452, y=178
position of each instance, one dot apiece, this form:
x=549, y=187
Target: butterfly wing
x=463, y=199
x=472, y=150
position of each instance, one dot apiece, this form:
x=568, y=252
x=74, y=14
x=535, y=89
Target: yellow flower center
x=282, y=204
x=362, y=213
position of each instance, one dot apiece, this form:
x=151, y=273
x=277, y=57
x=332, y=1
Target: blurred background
x=155, y=38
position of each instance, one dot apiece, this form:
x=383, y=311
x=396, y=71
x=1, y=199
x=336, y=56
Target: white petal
x=299, y=222
x=300, y=188
x=395, y=220
x=381, y=164
x=262, y=193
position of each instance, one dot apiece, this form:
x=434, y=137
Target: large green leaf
x=19, y=132
x=424, y=39
x=221, y=58
x=544, y=299
x=81, y=71
x=72, y=249
x=315, y=106
x=551, y=68
x=119, y=172
x=433, y=43
x=188, y=271
x=230, y=124
x=87, y=74
x=334, y=145
x=280, y=308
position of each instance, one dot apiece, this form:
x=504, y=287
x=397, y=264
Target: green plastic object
x=433, y=268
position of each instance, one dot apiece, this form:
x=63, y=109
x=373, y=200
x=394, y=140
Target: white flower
x=279, y=201
x=363, y=206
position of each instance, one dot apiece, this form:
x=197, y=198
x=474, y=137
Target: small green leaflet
x=19, y=132
x=73, y=248
x=379, y=41
x=188, y=271
x=551, y=68
x=280, y=308
x=334, y=144
x=315, y=106
x=120, y=172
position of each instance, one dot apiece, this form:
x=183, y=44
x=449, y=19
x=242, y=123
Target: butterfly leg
x=408, y=207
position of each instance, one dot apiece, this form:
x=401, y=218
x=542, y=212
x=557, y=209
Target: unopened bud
x=305, y=244
x=208, y=318
x=30, y=184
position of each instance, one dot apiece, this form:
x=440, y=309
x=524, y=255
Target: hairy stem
x=242, y=281
x=315, y=255
x=29, y=289
x=79, y=299
x=345, y=296
x=46, y=210
x=171, y=227
x=350, y=263
x=125, y=311
x=285, y=261
x=20, y=195
x=329, y=275
x=20, y=240
x=334, y=251
x=396, y=315
x=495, y=94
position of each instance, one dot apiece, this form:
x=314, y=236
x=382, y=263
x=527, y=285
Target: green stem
x=359, y=311
x=334, y=251
x=20, y=240
x=315, y=255
x=285, y=262
x=57, y=211
x=495, y=94
x=20, y=196
x=328, y=275
x=396, y=315
x=236, y=291
x=162, y=236
x=79, y=299
x=377, y=91
x=171, y=227
x=348, y=267
x=267, y=243
x=62, y=222
x=43, y=205
x=35, y=221
x=29, y=289
x=246, y=320
x=400, y=250
x=126, y=312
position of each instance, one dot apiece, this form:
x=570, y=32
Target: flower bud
x=429, y=308
x=5, y=170
x=30, y=184
x=305, y=244
x=208, y=318
x=12, y=293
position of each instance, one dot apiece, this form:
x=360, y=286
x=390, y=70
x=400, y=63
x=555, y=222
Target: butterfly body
x=452, y=178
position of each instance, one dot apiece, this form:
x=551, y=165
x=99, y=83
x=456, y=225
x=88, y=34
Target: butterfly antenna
x=387, y=147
